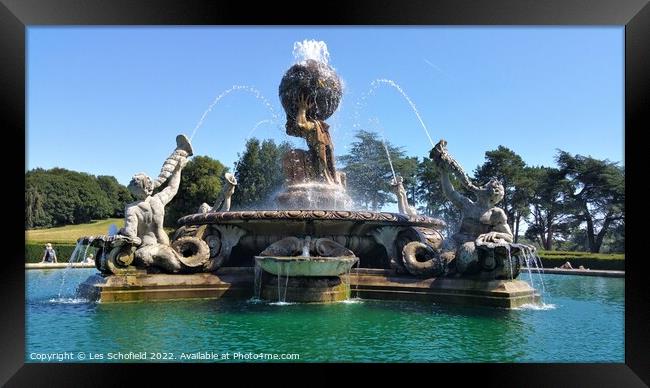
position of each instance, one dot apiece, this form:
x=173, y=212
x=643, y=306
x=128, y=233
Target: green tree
x=201, y=181
x=505, y=165
x=35, y=214
x=259, y=173
x=369, y=173
x=596, y=192
x=432, y=199
x=67, y=197
x=550, y=215
x=117, y=194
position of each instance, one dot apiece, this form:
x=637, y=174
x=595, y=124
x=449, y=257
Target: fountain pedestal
x=304, y=289
x=289, y=271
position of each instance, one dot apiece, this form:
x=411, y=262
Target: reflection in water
x=586, y=325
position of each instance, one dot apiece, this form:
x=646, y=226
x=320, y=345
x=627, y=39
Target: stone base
x=140, y=286
x=304, y=289
x=382, y=284
x=365, y=283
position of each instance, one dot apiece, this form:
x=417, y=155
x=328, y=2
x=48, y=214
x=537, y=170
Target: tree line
x=58, y=197
x=579, y=204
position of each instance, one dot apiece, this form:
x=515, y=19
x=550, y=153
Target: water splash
x=356, y=287
x=531, y=259
x=75, y=257
x=281, y=303
x=255, y=127
x=282, y=293
x=536, y=307
x=61, y=300
x=258, y=95
x=257, y=283
x=352, y=301
x=311, y=49
x=305, y=247
x=383, y=81
x=390, y=162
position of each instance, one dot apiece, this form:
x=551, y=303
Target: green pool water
x=582, y=321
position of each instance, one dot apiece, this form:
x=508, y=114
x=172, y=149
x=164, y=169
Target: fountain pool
x=583, y=321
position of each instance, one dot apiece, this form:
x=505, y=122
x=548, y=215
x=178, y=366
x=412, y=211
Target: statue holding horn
x=144, y=218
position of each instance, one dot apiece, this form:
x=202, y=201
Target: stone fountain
x=309, y=244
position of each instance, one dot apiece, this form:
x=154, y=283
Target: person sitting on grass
x=49, y=256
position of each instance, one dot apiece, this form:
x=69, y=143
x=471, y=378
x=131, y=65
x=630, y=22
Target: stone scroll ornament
x=143, y=243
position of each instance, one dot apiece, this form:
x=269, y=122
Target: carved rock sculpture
x=224, y=200
x=315, y=79
x=402, y=201
x=482, y=246
x=143, y=241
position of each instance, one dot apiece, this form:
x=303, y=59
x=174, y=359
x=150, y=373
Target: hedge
x=600, y=261
x=34, y=252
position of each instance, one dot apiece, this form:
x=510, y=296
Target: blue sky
x=110, y=101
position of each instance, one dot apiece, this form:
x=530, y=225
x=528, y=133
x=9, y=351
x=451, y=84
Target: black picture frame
x=16, y=15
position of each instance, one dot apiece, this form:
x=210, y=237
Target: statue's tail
x=183, y=149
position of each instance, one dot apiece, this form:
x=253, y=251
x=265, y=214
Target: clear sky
x=110, y=101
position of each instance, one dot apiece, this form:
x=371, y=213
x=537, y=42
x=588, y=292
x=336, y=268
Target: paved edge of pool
x=58, y=265
x=579, y=272
x=237, y=282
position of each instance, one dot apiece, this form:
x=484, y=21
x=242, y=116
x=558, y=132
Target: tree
x=505, y=165
x=65, y=197
x=201, y=181
x=596, y=192
x=369, y=171
x=35, y=214
x=117, y=194
x=550, y=215
x=429, y=194
x=259, y=173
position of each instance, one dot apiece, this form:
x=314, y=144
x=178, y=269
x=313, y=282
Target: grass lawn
x=70, y=233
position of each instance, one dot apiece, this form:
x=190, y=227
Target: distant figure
x=90, y=259
x=49, y=256
x=582, y=267
x=566, y=265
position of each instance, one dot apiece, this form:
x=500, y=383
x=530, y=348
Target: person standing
x=49, y=256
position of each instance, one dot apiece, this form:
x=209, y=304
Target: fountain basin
x=306, y=266
x=376, y=238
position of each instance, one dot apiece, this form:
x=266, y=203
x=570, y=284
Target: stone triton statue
x=482, y=223
x=143, y=225
x=402, y=201
x=224, y=200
